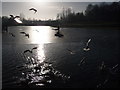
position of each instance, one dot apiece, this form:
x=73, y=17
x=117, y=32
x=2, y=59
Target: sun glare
x=41, y=54
x=40, y=34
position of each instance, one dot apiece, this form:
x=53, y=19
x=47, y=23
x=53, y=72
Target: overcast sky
x=46, y=10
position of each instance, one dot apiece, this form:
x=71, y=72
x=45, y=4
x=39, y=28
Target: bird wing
x=11, y=15
x=27, y=51
x=34, y=48
x=22, y=32
x=33, y=9
x=12, y=34
x=88, y=42
x=27, y=35
x=17, y=16
x=69, y=50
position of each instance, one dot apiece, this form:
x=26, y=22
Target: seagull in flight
x=87, y=47
x=71, y=52
x=16, y=18
x=25, y=34
x=12, y=34
x=12, y=16
x=35, y=10
x=102, y=67
x=30, y=50
x=82, y=61
x=36, y=30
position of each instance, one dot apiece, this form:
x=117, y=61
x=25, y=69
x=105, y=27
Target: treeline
x=102, y=13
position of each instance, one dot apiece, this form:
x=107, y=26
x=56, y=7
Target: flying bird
x=34, y=48
x=36, y=30
x=82, y=61
x=114, y=69
x=12, y=16
x=71, y=52
x=102, y=67
x=30, y=51
x=22, y=32
x=87, y=45
x=25, y=34
x=12, y=34
x=16, y=18
x=33, y=9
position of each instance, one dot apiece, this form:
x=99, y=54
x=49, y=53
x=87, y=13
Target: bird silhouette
x=33, y=9
x=82, y=61
x=13, y=17
x=22, y=32
x=25, y=34
x=87, y=45
x=16, y=18
x=71, y=52
x=30, y=51
x=36, y=30
x=34, y=48
x=12, y=34
x=102, y=67
x=114, y=69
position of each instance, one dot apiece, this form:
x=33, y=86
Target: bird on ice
x=35, y=10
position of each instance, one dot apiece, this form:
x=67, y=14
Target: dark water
x=60, y=62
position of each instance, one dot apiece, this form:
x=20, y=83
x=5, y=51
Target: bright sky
x=46, y=10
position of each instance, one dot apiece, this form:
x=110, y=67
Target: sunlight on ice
x=40, y=53
x=40, y=34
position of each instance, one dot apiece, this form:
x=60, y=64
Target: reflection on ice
x=40, y=73
x=40, y=53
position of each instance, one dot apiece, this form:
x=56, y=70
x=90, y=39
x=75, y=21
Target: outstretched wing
x=34, y=48
x=27, y=51
x=22, y=32
x=12, y=16
x=33, y=9
x=17, y=16
x=88, y=42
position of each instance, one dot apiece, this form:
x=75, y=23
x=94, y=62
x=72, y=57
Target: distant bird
x=36, y=30
x=35, y=10
x=71, y=52
x=34, y=48
x=87, y=47
x=25, y=34
x=114, y=69
x=82, y=61
x=30, y=51
x=102, y=67
x=12, y=34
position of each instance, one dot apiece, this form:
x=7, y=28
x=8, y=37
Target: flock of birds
x=17, y=19
x=102, y=67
